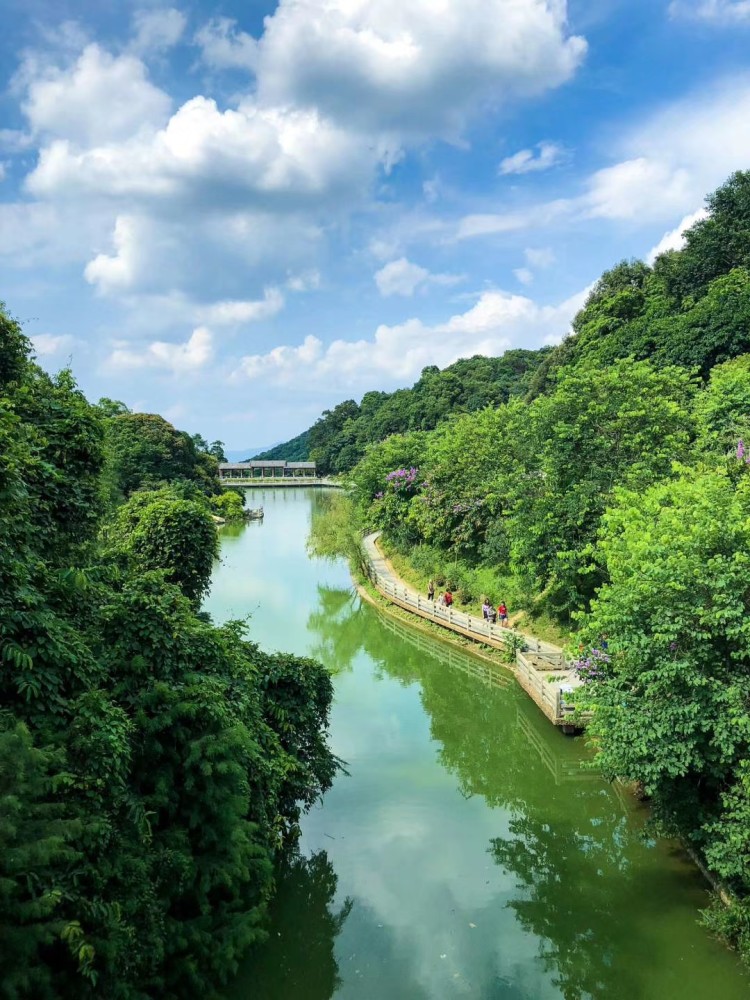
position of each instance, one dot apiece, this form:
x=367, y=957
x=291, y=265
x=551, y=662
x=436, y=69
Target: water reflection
x=474, y=856
x=298, y=959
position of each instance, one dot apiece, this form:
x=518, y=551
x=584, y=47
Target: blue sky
x=239, y=213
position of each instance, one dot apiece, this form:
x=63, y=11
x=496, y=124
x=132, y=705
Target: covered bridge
x=258, y=469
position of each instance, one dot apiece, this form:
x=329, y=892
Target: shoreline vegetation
x=153, y=765
x=602, y=486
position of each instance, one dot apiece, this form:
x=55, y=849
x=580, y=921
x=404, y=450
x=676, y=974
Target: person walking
x=431, y=590
x=502, y=614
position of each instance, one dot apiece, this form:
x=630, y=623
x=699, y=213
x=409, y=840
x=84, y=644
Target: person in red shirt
x=502, y=614
x=447, y=598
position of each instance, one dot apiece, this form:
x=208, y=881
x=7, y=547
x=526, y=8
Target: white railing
x=460, y=620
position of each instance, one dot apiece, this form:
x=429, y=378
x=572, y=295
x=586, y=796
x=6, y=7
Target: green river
x=465, y=854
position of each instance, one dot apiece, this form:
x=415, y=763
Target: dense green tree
x=146, y=450
x=716, y=245
x=159, y=530
x=722, y=410
x=152, y=766
x=671, y=705
x=625, y=424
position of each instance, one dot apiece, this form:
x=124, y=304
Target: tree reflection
x=298, y=958
x=337, y=621
x=568, y=842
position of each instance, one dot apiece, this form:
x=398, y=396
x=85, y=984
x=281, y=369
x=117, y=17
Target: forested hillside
x=610, y=495
x=152, y=765
x=338, y=440
x=296, y=450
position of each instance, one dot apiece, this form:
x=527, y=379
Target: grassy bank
x=470, y=586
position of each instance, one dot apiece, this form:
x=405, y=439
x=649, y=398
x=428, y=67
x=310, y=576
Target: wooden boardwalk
x=541, y=669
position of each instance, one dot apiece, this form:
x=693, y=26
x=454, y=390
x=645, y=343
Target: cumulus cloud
x=157, y=30
x=526, y=161
x=100, y=98
x=402, y=277
x=722, y=12
x=48, y=344
x=397, y=354
x=283, y=158
x=236, y=311
x=178, y=359
x=224, y=46
x=675, y=238
x=667, y=165
x=414, y=67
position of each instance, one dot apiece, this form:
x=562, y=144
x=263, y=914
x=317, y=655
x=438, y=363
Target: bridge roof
x=228, y=466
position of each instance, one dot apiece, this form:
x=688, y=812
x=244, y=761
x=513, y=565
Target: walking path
x=540, y=669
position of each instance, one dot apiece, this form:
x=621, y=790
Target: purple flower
x=379, y=496
x=740, y=450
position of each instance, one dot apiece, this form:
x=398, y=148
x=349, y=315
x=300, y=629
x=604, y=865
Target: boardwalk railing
x=461, y=621
x=540, y=667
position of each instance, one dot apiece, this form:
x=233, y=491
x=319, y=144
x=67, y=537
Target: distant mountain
x=296, y=450
x=241, y=455
x=340, y=437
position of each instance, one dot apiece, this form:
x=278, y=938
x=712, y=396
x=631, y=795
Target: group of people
x=492, y=615
x=489, y=612
x=446, y=599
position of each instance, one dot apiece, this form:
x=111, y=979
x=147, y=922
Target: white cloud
x=192, y=355
x=540, y=257
x=224, y=46
x=722, y=12
x=250, y=154
x=524, y=275
x=157, y=30
x=101, y=98
x=402, y=277
x=667, y=165
x=637, y=188
x=675, y=238
x=283, y=362
x=397, y=354
x=307, y=281
x=116, y=272
x=236, y=311
x=47, y=344
x=527, y=161
x=417, y=67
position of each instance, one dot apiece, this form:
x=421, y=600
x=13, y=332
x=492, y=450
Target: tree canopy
x=153, y=766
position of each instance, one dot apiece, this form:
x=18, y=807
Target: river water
x=466, y=853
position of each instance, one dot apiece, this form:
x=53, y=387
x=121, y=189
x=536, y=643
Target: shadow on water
x=298, y=959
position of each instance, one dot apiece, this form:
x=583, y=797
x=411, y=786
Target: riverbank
x=539, y=667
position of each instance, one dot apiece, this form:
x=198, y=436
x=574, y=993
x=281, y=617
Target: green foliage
x=340, y=438
x=599, y=429
x=335, y=529
x=177, y=536
x=35, y=835
x=145, y=450
x=230, y=505
x=672, y=710
x=152, y=765
x=722, y=411
x=296, y=450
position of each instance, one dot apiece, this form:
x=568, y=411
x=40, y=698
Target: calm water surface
x=466, y=854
